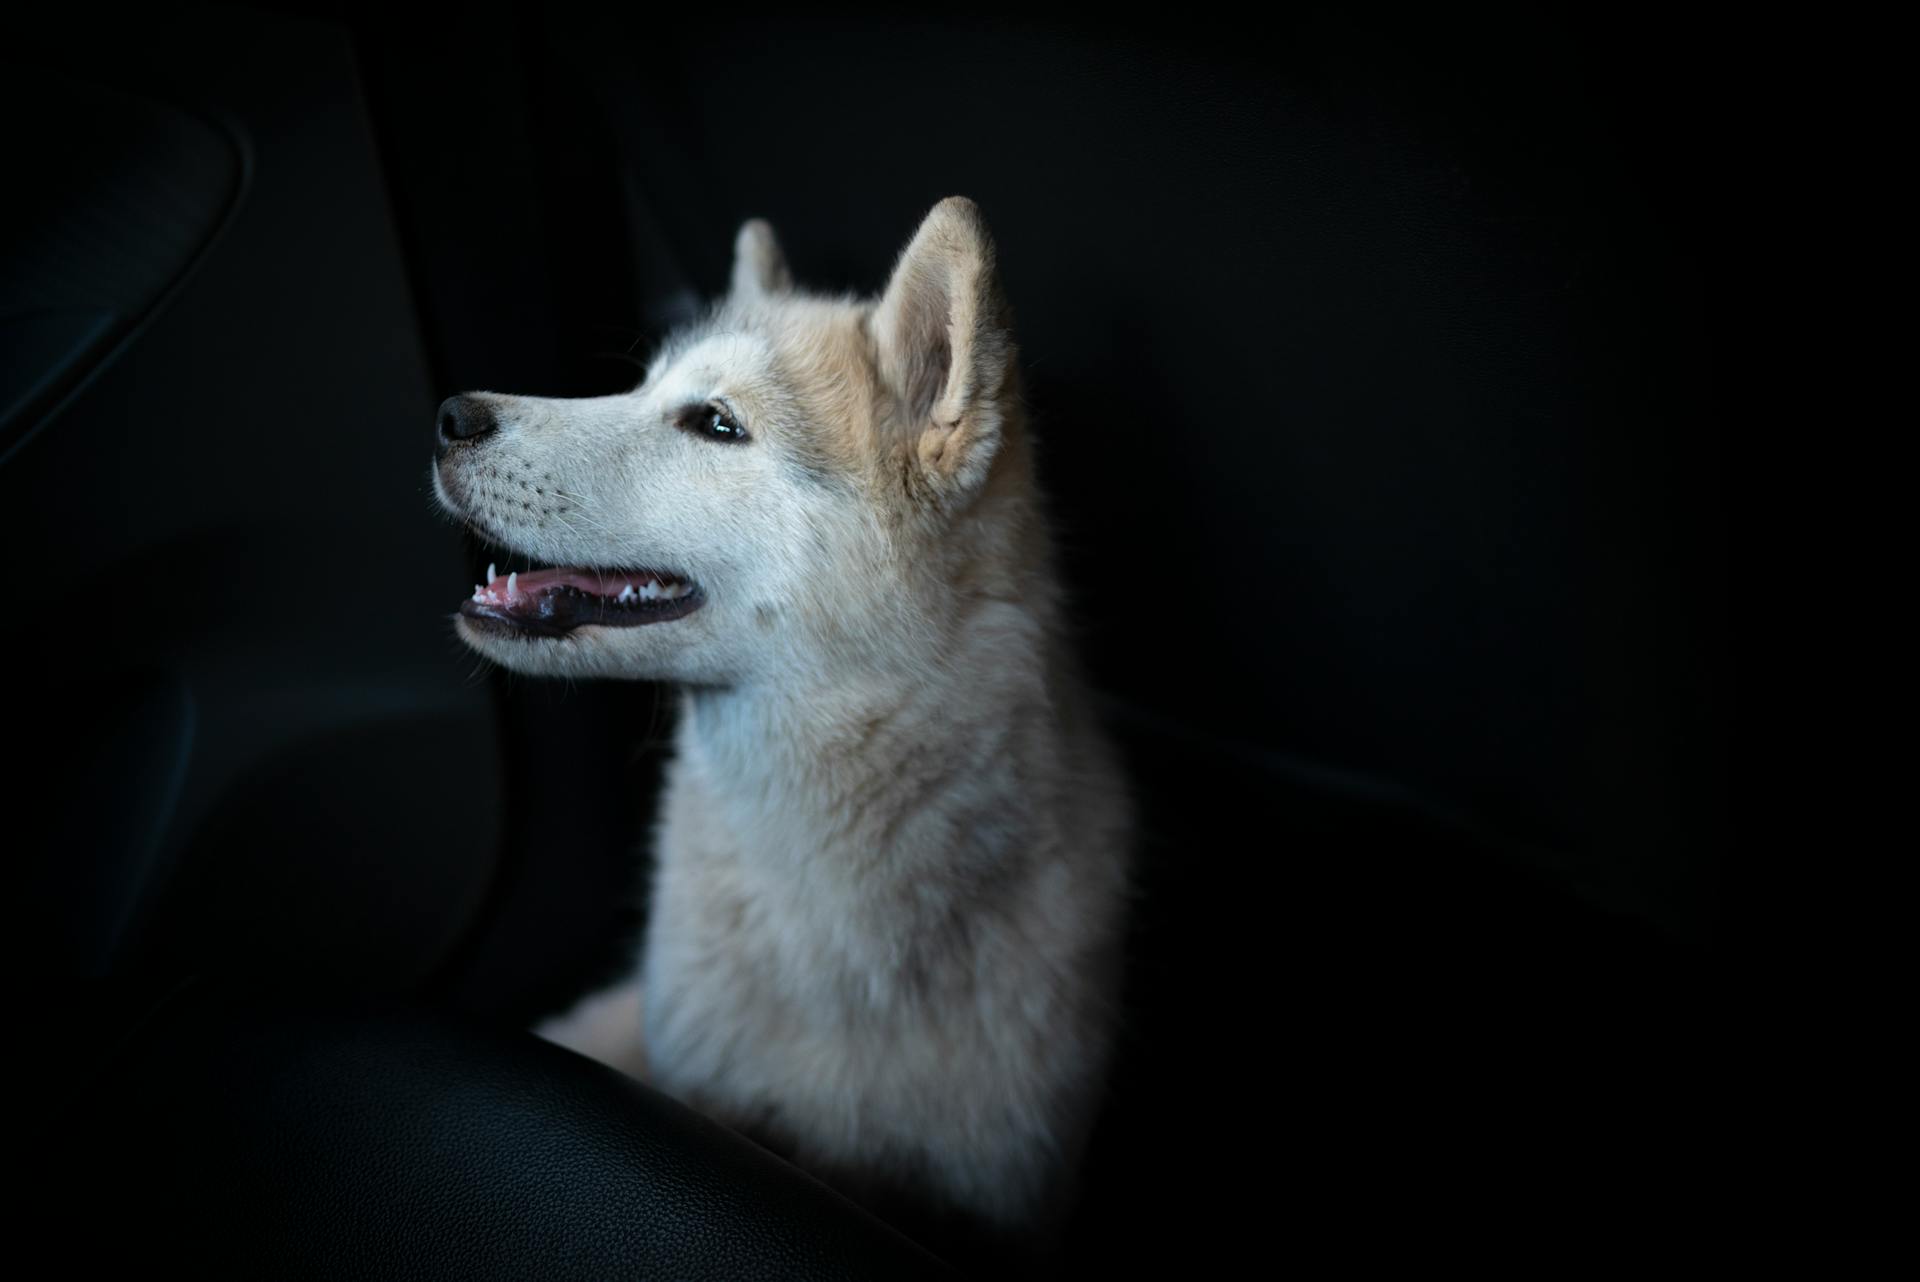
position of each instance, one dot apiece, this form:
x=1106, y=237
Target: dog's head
x=797, y=480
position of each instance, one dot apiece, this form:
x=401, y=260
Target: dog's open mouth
x=552, y=603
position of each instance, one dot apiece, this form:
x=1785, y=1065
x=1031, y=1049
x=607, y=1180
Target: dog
x=892, y=854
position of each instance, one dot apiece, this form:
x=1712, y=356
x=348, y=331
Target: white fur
x=892, y=848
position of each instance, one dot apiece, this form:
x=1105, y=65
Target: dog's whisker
x=584, y=517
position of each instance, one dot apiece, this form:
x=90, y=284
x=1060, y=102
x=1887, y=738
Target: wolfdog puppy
x=892, y=852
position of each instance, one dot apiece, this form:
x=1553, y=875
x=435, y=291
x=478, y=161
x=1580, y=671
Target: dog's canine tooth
x=513, y=585
x=491, y=575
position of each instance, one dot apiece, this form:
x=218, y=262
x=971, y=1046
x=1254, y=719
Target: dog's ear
x=945, y=344
x=759, y=268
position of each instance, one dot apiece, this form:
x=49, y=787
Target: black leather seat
x=1368, y=372
x=242, y=1137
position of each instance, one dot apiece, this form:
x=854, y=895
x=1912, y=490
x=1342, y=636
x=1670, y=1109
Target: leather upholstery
x=244, y=1137
x=1379, y=353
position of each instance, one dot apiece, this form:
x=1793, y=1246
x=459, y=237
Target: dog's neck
x=888, y=774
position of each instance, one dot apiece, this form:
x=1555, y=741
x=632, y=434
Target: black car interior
x=1372, y=373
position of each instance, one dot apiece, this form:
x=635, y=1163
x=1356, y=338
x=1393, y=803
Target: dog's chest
x=913, y=981
x=780, y=993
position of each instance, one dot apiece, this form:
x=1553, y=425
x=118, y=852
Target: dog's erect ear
x=759, y=268
x=945, y=345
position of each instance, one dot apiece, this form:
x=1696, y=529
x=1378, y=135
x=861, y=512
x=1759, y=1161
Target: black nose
x=464, y=418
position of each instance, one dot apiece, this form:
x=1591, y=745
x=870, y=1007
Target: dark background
x=1373, y=366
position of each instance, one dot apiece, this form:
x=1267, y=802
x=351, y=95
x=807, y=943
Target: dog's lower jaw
x=678, y=651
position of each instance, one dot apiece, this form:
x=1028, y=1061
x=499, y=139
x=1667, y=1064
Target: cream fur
x=891, y=858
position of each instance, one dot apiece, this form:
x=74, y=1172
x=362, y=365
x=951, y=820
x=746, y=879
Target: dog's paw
x=606, y=1026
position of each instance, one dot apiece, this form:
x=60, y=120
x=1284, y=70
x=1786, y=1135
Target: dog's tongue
x=537, y=580
x=506, y=589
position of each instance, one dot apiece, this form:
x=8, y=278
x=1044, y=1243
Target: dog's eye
x=715, y=422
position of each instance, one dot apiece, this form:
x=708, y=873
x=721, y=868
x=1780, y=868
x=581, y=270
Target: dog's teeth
x=652, y=591
x=491, y=576
x=626, y=593
x=513, y=585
